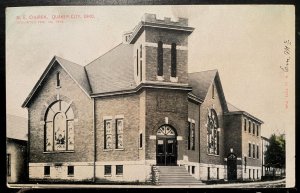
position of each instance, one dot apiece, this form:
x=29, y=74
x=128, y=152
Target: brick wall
x=127, y=106
x=233, y=127
x=162, y=103
x=83, y=124
x=209, y=103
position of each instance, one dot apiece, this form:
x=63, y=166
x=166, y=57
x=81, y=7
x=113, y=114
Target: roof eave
x=244, y=113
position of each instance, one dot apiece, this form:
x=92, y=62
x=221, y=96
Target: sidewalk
x=232, y=185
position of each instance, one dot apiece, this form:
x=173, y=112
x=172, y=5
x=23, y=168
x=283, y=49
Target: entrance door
x=231, y=167
x=166, y=147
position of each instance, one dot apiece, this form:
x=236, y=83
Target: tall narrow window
x=249, y=154
x=8, y=159
x=218, y=141
x=257, y=152
x=189, y=135
x=249, y=173
x=141, y=140
x=213, y=91
x=257, y=130
x=217, y=173
x=253, y=151
x=119, y=133
x=137, y=62
x=212, y=132
x=141, y=51
x=160, y=59
x=107, y=134
x=249, y=126
x=57, y=79
x=173, y=60
x=208, y=173
x=193, y=136
x=193, y=169
x=254, y=128
x=245, y=124
x=141, y=69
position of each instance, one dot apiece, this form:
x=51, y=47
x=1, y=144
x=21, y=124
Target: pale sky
x=245, y=43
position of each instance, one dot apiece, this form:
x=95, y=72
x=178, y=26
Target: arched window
x=59, y=127
x=212, y=132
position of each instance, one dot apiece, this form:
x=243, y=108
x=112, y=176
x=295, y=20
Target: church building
x=136, y=109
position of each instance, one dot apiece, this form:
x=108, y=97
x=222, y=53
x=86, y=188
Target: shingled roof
x=112, y=71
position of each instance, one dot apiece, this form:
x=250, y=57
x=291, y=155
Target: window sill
x=210, y=154
x=174, y=79
x=120, y=149
x=160, y=78
x=51, y=152
x=140, y=148
x=47, y=176
x=107, y=175
x=105, y=150
x=58, y=87
x=71, y=175
x=119, y=175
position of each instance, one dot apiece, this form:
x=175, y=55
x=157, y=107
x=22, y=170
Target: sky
x=245, y=43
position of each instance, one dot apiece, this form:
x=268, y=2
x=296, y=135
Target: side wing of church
x=136, y=110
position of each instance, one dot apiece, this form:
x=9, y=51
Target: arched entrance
x=166, y=146
x=231, y=167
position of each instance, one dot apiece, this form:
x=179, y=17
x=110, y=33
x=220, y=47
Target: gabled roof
x=112, y=71
x=201, y=81
x=16, y=127
x=76, y=72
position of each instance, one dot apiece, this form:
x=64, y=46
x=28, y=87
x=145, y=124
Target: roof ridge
x=103, y=54
x=203, y=71
x=58, y=57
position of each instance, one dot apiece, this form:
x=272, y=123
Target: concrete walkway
x=231, y=185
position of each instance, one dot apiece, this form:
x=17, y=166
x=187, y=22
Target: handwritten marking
x=285, y=69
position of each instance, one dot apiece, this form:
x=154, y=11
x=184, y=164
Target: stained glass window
x=165, y=130
x=108, y=134
x=59, y=127
x=212, y=132
x=119, y=134
x=191, y=136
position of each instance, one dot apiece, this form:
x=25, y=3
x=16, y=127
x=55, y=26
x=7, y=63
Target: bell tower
x=160, y=50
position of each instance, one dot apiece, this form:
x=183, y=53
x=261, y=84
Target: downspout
x=94, y=128
x=199, y=127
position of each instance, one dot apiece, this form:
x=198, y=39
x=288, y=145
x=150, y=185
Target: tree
x=275, y=154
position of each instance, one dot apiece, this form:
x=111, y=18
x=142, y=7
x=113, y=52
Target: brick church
x=135, y=109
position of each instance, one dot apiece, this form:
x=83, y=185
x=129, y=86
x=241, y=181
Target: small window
x=245, y=124
x=70, y=170
x=47, y=170
x=253, y=151
x=193, y=169
x=257, y=152
x=217, y=173
x=107, y=170
x=253, y=130
x=119, y=169
x=57, y=79
x=257, y=174
x=189, y=169
x=257, y=130
x=253, y=173
x=141, y=140
x=8, y=164
x=141, y=51
x=208, y=173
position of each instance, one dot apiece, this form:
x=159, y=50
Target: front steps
x=175, y=175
